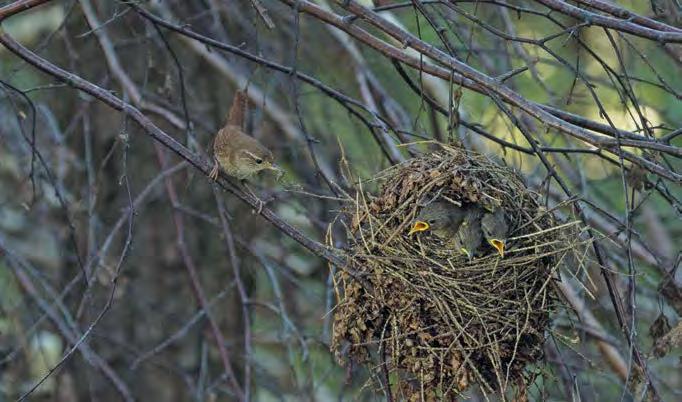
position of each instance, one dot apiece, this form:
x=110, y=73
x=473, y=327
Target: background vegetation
x=125, y=274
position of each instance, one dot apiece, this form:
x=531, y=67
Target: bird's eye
x=259, y=161
x=432, y=221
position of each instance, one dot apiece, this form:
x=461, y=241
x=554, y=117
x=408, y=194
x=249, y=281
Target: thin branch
x=472, y=79
x=201, y=164
x=19, y=6
x=671, y=35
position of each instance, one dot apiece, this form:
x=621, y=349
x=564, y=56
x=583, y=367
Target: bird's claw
x=213, y=175
x=261, y=204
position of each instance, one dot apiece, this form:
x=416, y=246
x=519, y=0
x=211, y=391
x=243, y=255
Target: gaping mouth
x=419, y=226
x=499, y=246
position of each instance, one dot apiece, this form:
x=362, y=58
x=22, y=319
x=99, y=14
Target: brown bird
x=240, y=155
x=494, y=226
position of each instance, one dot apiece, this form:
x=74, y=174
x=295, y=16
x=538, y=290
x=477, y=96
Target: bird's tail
x=237, y=114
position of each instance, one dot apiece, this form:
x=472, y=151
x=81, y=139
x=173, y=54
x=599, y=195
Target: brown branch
x=628, y=15
x=492, y=88
x=263, y=13
x=241, y=289
x=613, y=229
x=669, y=36
x=472, y=79
x=669, y=287
x=610, y=353
x=626, y=137
x=65, y=324
x=256, y=94
x=19, y=6
x=201, y=164
x=199, y=293
x=482, y=83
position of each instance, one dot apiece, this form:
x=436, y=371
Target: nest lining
x=434, y=322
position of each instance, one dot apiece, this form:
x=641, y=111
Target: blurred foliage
x=58, y=209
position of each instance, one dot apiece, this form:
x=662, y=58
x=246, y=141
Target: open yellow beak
x=419, y=226
x=499, y=246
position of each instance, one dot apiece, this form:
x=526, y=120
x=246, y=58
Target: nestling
x=457, y=226
x=442, y=218
x=240, y=155
x=469, y=237
x=495, y=228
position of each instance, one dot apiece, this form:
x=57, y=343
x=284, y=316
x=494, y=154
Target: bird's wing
x=231, y=139
x=221, y=143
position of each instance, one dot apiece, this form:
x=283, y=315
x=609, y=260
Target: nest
x=427, y=320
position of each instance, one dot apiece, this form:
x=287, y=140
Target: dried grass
x=434, y=322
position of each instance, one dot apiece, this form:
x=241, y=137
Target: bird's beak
x=499, y=246
x=419, y=226
x=279, y=170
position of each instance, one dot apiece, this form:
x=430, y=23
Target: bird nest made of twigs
x=426, y=318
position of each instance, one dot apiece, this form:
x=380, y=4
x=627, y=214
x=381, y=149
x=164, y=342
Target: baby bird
x=469, y=237
x=240, y=155
x=442, y=218
x=459, y=227
x=495, y=229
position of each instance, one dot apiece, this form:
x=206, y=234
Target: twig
x=194, y=277
x=201, y=164
x=243, y=296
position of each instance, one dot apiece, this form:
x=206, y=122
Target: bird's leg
x=260, y=202
x=213, y=175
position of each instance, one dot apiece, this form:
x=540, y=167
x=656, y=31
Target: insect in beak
x=279, y=171
x=419, y=226
x=499, y=246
